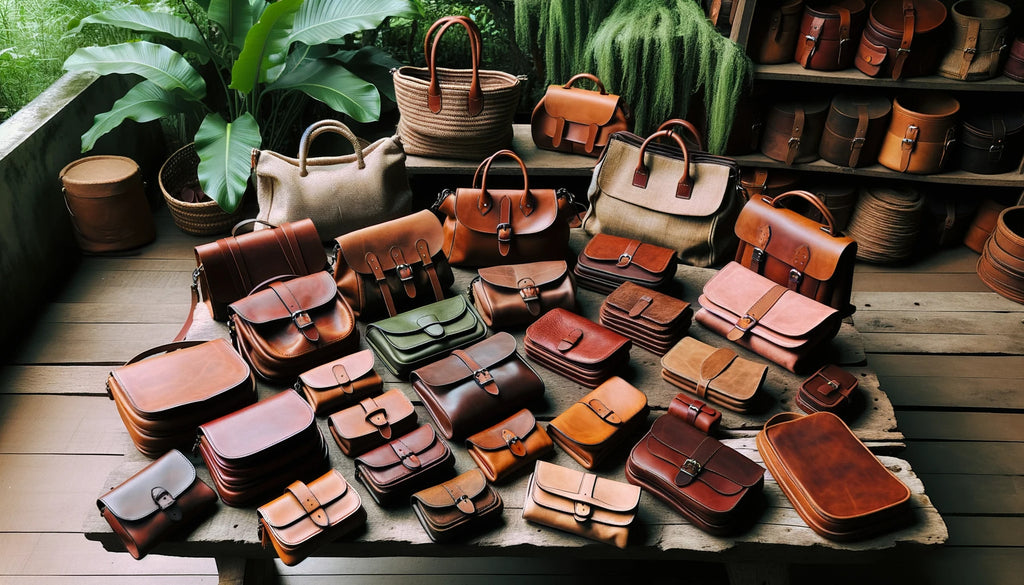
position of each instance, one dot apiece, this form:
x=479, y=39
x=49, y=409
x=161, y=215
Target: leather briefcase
x=992, y=140
x=578, y=121
x=830, y=389
x=510, y=445
x=854, y=129
x=1014, y=67
x=405, y=464
x=163, y=500
x=903, y=38
x=653, y=320
x=581, y=503
x=829, y=30
x=709, y=483
x=162, y=402
x=308, y=516
x=464, y=504
x=792, y=131
x=517, y=294
x=757, y=182
x=775, y=29
x=715, y=374
x=980, y=36
x=476, y=386
x=255, y=452
x=921, y=134
x=844, y=492
x=340, y=383
x=600, y=421
x=389, y=268
x=422, y=335
x=983, y=224
x=576, y=347
x=607, y=261
x=372, y=422
x=695, y=412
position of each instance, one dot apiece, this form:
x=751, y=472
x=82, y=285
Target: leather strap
x=462, y=500
x=907, y=145
x=240, y=274
x=592, y=132
x=970, y=48
x=314, y=509
x=775, y=26
x=514, y=442
x=640, y=306
x=406, y=454
x=382, y=282
x=947, y=145
x=859, y=135
x=300, y=317
x=342, y=378
x=713, y=366
x=995, y=57
x=844, y=31
x=505, y=226
x=626, y=258
x=481, y=375
x=909, y=22
x=293, y=250
x=756, y=312
x=404, y=271
x=582, y=511
x=796, y=134
x=423, y=249
x=530, y=294
x=603, y=411
x=695, y=462
x=693, y=411
x=995, y=150
x=559, y=131
x=377, y=416
x=812, y=39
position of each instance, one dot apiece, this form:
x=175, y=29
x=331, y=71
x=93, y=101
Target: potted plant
x=239, y=72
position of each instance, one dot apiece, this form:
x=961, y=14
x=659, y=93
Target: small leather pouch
x=902, y=38
x=339, y=383
x=308, y=516
x=695, y=412
x=476, y=386
x=457, y=506
x=517, y=294
x=162, y=500
x=983, y=224
x=829, y=389
x=508, y=446
x=655, y=321
x=581, y=503
x=405, y=464
x=607, y=261
x=576, y=347
x=792, y=131
x=372, y=422
x=576, y=120
x=714, y=374
x=600, y=421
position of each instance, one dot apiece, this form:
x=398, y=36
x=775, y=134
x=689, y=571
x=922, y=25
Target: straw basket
x=204, y=218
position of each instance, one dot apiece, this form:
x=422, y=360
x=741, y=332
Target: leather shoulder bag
x=717, y=375
x=903, y=38
x=980, y=36
x=340, y=383
x=453, y=509
x=372, y=422
x=508, y=446
x=578, y=121
x=517, y=294
x=921, y=134
x=829, y=30
x=405, y=464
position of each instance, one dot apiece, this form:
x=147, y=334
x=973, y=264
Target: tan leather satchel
x=717, y=375
x=578, y=121
x=340, y=383
x=372, y=422
x=921, y=134
x=979, y=40
x=517, y=294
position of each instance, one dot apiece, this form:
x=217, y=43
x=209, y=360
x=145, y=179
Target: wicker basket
x=205, y=218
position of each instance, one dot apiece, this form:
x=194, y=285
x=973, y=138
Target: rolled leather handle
x=321, y=127
x=670, y=124
x=484, y=203
x=475, y=101
x=830, y=222
x=591, y=77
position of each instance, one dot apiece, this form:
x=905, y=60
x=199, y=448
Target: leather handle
x=670, y=124
x=165, y=348
x=475, y=102
x=321, y=127
x=640, y=175
x=484, y=203
x=245, y=222
x=830, y=222
x=591, y=77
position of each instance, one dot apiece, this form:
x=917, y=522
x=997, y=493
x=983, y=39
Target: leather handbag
x=983, y=224
x=715, y=374
x=667, y=196
x=106, y=198
x=340, y=383
x=812, y=258
x=255, y=452
x=508, y=446
x=695, y=412
x=578, y=121
x=767, y=318
x=843, y=492
x=308, y=516
x=491, y=227
x=921, y=134
x=830, y=389
x=475, y=387
x=1014, y=66
x=455, y=113
x=980, y=35
x=709, y=483
x=290, y=326
x=829, y=30
x=607, y=261
x=1001, y=266
x=581, y=503
x=599, y=422
x=161, y=400
x=576, y=347
x=652, y=320
x=854, y=129
x=903, y=38
x=992, y=141
x=422, y=335
x=405, y=464
x=792, y=131
x=372, y=422
x=340, y=194
x=776, y=28
x=385, y=269
x=464, y=504
x=163, y=500
x=517, y=294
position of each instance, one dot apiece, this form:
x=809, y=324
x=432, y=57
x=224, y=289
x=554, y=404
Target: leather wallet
x=581, y=503
x=589, y=429
x=404, y=465
x=655, y=321
x=694, y=412
x=476, y=386
x=508, y=446
x=340, y=383
x=460, y=505
x=829, y=389
x=576, y=347
x=421, y=335
x=714, y=374
x=607, y=261
x=372, y=422
x=516, y=294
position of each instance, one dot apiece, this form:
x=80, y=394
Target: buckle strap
x=592, y=131
x=423, y=249
x=626, y=258
x=481, y=375
x=909, y=22
x=794, y=137
x=406, y=454
x=504, y=228
x=640, y=306
x=712, y=367
x=462, y=500
x=582, y=511
x=377, y=416
x=970, y=48
x=382, y=282
x=314, y=509
x=404, y=271
x=530, y=294
x=907, y=145
x=859, y=135
x=603, y=411
x=559, y=132
x=301, y=319
x=844, y=32
x=756, y=312
x=342, y=378
x=691, y=469
x=166, y=502
x=811, y=40
x=515, y=443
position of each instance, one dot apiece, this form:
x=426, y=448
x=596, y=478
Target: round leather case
x=854, y=129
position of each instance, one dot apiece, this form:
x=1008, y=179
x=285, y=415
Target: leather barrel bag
x=608, y=261
x=340, y=382
x=462, y=505
x=372, y=422
x=1001, y=266
x=1014, y=66
x=903, y=38
x=773, y=36
x=508, y=446
x=396, y=469
x=828, y=33
x=983, y=223
x=695, y=413
x=106, y=198
x=652, y=320
x=793, y=131
x=854, y=129
x=980, y=31
x=921, y=134
x=513, y=295
x=830, y=389
x=715, y=374
x=576, y=347
x=388, y=268
x=578, y=121
x=992, y=140
x=758, y=182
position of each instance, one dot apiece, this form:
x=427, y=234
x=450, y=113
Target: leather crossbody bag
x=576, y=347
x=655, y=321
x=715, y=374
x=405, y=464
x=517, y=294
x=508, y=446
x=792, y=131
x=921, y=134
x=980, y=31
x=372, y=422
x=340, y=383
x=607, y=261
x=457, y=507
x=903, y=38
x=578, y=121
x=829, y=31
x=830, y=389
x=695, y=412
x=854, y=129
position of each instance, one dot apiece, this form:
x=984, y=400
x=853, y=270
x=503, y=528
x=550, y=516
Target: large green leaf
x=157, y=63
x=225, y=156
x=322, y=21
x=374, y=65
x=144, y=102
x=235, y=18
x=335, y=86
x=266, y=47
x=160, y=24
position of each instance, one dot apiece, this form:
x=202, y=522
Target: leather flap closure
x=373, y=415
x=514, y=276
x=455, y=492
x=426, y=324
x=870, y=56
x=701, y=458
x=644, y=304
x=506, y=434
x=324, y=493
x=135, y=499
x=829, y=380
x=595, y=342
x=585, y=496
x=602, y=412
x=259, y=426
x=740, y=380
x=452, y=370
x=581, y=106
x=340, y=372
x=402, y=233
x=615, y=250
x=309, y=292
x=408, y=450
x=541, y=217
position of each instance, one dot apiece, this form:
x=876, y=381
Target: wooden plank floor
x=949, y=353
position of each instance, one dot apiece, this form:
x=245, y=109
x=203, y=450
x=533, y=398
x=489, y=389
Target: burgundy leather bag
x=578, y=121
x=903, y=38
x=517, y=294
x=695, y=412
x=829, y=30
x=576, y=347
x=372, y=422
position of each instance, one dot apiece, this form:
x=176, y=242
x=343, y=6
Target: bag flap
x=402, y=233
x=695, y=456
x=602, y=412
x=644, y=304
x=829, y=382
x=407, y=447
x=544, y=214
x=578, y=338
x=328, y=489
x=366, y=417
x=578, y=105
x=584, y=495
x=870, y=56
x=259, y=426
x=518, y=426
x=310, y=292
x=740, y=380
x=451, y=370
x=340, y=372
x=427, y=324
x=446, y=495
x=135, y=499
x=609, y=249
x=510, y=275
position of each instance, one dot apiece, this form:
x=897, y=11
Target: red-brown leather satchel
x=828, y=31
x=578, y=121
x=517, y=294
x=405, y=464
x=457, y=507
x=903, y=38
x=576, y=347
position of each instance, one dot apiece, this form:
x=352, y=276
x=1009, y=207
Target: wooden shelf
x=794, y=72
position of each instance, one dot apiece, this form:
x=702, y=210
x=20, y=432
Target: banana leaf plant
x=257, y=57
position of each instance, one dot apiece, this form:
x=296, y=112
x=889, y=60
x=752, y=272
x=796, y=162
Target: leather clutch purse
x=714, y=374
x=372, y=422
x=576, y=347
x=424, y=334
x=508, y=446
x=404, y=465
x=162, y=500
x=711, y=484
x=581, y=503
x=476, y=386
x=308, y=516
x=655, y=321
x=694, y=412
x=600, y=421
x=829, y=389
x=607, y=261
x=341, y=382
x=460, y=505
x=516, y=294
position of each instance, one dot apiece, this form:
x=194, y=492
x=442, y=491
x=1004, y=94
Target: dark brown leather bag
x=992, y=140
x=775, y=29
x=854, y=129
x=921, y=134
x=600, y=421
x=694, y=412
x=464, y=504
x=903, y=38
x=653, y=320
x=510, y=445
x=340, y=383
x=517, y=294
x=607, y=261
x=830, y=389
x=828, y=32
x=717, y=375
x=980, y=31
x=106, y=198
x=578, y=121
x=792, y=131
x=372, y=422
x=405, y=464
x=576, y=347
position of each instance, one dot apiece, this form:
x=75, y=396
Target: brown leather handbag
x=792, y=131
x=854, y=129
x=607, y=261
x=830, y=389
x=1001, y=266
x=1014, y=67
x=372, y=422
x=389, y=268
x=405, y=464
x=340, y=383
x=992, y=140
x=776, y=26
x=508, y=446
x=599, y=422
x=980, y=36
x=106, y=198
x=517, y=294
x=828, y=30
x=921, y=134
x=464, y=504
x=717, y=375
x=695, y=412
x=490, y=227
x=578, y=121
x=903, y=38
x=576, y=347
x=652, y=320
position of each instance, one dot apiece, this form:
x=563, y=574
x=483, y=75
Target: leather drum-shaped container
x=903, y=38
x=827, y=30
x=793, y=131
x=979, y=34
x=758, y=182
x=992, y=142
x=921, y=134
x=774, y=41
x=107, y=202
x=854, y=129
x=1014, y=68
x=840, y=197
x=1001, y=266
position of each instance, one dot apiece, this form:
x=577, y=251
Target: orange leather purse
x=592, y=427
x=340, y=383
x=578, y=121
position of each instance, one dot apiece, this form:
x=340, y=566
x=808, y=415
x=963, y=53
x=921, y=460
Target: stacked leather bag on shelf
x=793, y=131
x=979, y=38
x=608, y=261
x=829, y=31
x=576, y=347
x=854, y=129
x=652, y=320
x=1001, y=266
x=1014, y=68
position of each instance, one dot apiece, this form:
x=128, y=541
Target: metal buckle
x=902, y=50
x=195, y=276
x=757, y=255
x=505, y=227
x=482, y=377
x=857, y=142
x=529, y=293
x=970, y=50
x=695, y=408
x=746, y=323
x=795, y=276
x=691, y=467
x=996, y=147
x=794, y=140
x=627, y=258
x=811, y=38
x=833, y=385
x=301, y=319
x=910, y=140
x=404, y=272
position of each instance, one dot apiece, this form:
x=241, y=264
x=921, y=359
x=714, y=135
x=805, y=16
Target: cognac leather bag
x=775, y=29
x=903, y=38
x=405, y=464
x=792, y=131
x=921, y=134
x=517, y=294
x=715, y=374
x=576, y=347
x=457, y=507
x=1001, y=266
x=652, y=320
x=695, y=412
x=578, y=121
x=607, y=261
x=829, y=31
x=992, y=140
x=106, y=198
x=829, y=389
x=510, y=445
x=600, y=421
x=340, y=383
x=372, y=422
x=980, y=36
x=854, y=129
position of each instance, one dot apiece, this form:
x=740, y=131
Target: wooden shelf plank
x=538, y=162
x=791, y=72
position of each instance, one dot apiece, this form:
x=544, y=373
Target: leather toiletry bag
x=454, y=508
x=576, y=120
x=600, y=421
x=652, y=320
x=717, y=375
x=576, y=347
x=513, y=295
x=372, y=422
x=501, y=450
x=607, y=261
x=339, y=383
x=405, y=464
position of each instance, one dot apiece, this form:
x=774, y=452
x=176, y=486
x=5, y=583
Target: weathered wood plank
x=54, y=424
x=985, y=531
x=953, y=392
x=115, y=313
x=962, y=426
x=51, y=493
x=948, y=343
x=930, y=282
x=975, y=494
x=968, y=324
x=973, y=457
x=56, y=557
x=92, y=343
x=961, y=302
x=949, y=260
x=128, y=287
x=71, y=380
x=1004, y=367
